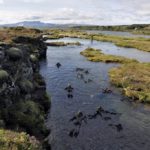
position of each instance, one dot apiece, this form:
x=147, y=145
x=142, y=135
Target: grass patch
x=97, y=56
x=134, y=79
x=8, y=34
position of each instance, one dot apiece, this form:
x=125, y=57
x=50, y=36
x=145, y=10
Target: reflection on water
x=97, y=134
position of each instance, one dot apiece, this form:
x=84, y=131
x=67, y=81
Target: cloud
x=76, y=11
x=1, y=1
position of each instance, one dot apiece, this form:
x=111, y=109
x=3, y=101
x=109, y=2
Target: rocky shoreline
x=24, y=103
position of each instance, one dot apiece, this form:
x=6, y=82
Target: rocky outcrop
x=23, y=98
x=38, y=46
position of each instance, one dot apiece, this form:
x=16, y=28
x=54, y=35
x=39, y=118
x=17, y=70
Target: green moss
x=33, y=58
x=46, y=102
x=97, y=56
x=14, y=53
x=134, y=79
x=3, y=75
x=26, y=86
x=39, y=80
x=10, y=140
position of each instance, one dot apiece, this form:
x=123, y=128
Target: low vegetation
x=134, y=79
x=8, y=34
x=96, y=55
x=10, y=140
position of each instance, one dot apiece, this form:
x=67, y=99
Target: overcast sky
x=100, y=12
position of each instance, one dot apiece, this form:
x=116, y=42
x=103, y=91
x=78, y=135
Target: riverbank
x=24, y=101
x=96, y=55
x=132, y=77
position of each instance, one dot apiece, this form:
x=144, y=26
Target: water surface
x=97, y=134
x=110, y=48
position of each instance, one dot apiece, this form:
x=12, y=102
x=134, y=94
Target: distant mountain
x=37, y=24
x=32, y=24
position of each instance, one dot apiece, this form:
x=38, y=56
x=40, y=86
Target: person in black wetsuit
x=58, y=65
x=69, y=89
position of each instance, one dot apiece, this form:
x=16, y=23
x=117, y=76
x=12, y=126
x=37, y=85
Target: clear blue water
x=96, y=134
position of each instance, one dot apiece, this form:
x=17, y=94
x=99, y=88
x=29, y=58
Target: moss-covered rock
x=14, y=54
x=26, y=86
x=3, y=76
x=33, y=58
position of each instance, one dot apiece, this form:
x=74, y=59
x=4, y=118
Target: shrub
x=10, y=140
x=28, y=116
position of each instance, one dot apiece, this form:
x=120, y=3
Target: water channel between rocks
x=98, y=133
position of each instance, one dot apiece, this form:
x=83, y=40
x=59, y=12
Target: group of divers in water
x=69, y=87
x=80, y=118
